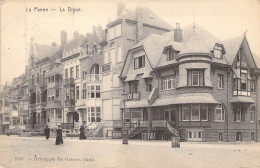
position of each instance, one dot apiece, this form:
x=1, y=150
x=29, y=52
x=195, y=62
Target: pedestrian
x=59, y=139
x=47, y=132
x=82, y=133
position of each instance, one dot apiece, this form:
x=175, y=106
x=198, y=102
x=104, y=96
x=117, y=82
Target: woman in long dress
x=59, y=139
x=82, y=133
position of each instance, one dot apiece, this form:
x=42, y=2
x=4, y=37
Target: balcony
x=106, y=67
x=69, y=81
x=94, y=77
x=67, y=125
x=42, y=82
x=69, y=103
x=133, y=96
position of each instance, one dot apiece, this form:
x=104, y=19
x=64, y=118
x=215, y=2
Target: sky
x=224, y=19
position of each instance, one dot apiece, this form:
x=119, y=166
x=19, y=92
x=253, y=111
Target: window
x=84, y=74
x=119, y=54
x=252, y=114
x=133, y=87
x=97, y=91
x=112, y=53
x=71, y=72
x=203, y=112
x=87, y=49
x=195, y=135
x=98, y=114
x=218, y=52
x=219, y=113
x=77, y=92
x=220, y=81
x=114, y=32
x=139, y=62
x=220, y=136
x=168, y=83
x=106, y=59
x=95, y=49
x=148, y=85
x=243, y=81
x=66, y=74
x=253, y=86
x=84, y=91
x=169, y=53
x=186, y=112
x=195, y=78
x=238, y=113
x=195, y=112
x=94, y=114
x=57, y=92
x=77, y=71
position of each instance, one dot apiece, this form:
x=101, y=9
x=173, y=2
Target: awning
x=54, y=105
x=136, y=104
x=186, y=98
x=163, y=101
x=131, y=78
x=242, y=99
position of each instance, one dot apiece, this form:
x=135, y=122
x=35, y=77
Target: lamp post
x=124, y=129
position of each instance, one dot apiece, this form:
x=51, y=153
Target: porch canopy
x=187, y=98
x=242, y=99
x=136, y=104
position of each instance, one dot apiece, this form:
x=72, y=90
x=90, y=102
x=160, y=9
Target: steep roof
x=232, y=46
x=149, y=18
x=257, y=60
x=42, y=51
x=76, y=42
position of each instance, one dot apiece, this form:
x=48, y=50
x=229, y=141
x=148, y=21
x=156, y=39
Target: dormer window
x=139, y=62
x=218, y=52
x=169, y=53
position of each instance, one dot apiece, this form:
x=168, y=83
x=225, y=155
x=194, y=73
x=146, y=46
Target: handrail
x=171, y=129
x=134, y=127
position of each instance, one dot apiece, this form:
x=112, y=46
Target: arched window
x=112, y=53
x=94, y=69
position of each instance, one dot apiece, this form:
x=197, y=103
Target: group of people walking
x=59, y=139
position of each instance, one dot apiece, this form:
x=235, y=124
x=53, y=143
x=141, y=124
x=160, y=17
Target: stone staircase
x=94, y=130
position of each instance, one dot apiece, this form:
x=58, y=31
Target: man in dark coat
x=47, y=132
x=82, y=133
x=59, y=139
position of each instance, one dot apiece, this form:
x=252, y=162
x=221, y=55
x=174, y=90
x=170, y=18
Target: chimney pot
x=178, y=33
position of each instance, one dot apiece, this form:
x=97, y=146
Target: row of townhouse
x=143, y=74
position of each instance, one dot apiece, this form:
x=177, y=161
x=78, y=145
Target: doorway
x=239, y=136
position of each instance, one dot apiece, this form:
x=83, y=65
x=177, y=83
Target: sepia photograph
x=129, y=84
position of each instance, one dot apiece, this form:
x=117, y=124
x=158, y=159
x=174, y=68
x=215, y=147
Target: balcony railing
x=94, y=77
x=67, y=125
x=69, y=103
x=133, y=96
x=106, y=67
x=69, y=81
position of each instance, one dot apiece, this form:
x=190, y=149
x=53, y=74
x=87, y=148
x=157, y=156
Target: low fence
x=114, y=134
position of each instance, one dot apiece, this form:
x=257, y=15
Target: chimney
x=178, y=33
x=63, y=39
x=120, y=8
x=140, y=22
x=76, y=34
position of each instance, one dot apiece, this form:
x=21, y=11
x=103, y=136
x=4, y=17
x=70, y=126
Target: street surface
x=25, y=152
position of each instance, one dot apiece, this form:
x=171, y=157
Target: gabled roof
x=232, y=46
x=149, y=18
x=42, y=51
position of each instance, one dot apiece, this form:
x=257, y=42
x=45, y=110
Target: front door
x=167, y=115
x=239, y=136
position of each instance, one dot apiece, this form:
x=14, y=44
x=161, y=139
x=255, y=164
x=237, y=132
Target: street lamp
x=124, y=129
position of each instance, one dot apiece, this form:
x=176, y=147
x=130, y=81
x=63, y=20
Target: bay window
x=168, y=83
x=195, y=77
x=186, y=112
x=243, y=81
x=195, y=112
x=84, y=91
